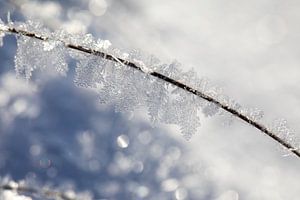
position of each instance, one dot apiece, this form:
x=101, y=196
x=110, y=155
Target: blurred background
x=53, y=133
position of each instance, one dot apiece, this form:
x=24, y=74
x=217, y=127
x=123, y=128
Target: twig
x=34, y=191
x=169, y=80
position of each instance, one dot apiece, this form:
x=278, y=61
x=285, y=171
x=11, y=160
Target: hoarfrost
x=32, y=54
x=253, y=114
x=157, y=100
x=102, y=44
x=50, y=45
x=281, y=128
x=123, y=87
x=35, y=54
x=116, y=83
x=90, y=71
x=104, y=69
x=184, y=107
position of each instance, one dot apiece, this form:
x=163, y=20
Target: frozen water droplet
x=123, y=141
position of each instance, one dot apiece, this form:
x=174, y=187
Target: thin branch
x=169, y=80
x=47, y=193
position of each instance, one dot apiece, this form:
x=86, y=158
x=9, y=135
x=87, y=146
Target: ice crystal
x=124, y=88
x=210, y=109
x=171, y=70
x=156, y=96
x=121, y=85
x=253, y=114
x=35, y=54
x=50, y=45
x=157, y=100
x=281, y=128
x=183, y=108
x=115, y=82
x=102, y=44
x=186, y=108
x=128, y=89
x=90, y=71
x=32, y=55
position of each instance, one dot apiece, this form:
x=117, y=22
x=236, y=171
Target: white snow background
x=249, y=48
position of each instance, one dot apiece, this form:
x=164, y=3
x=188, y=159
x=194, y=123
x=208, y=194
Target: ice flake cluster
x=253, y=114
x=124, y=87
x=128, y=89
x=118, y=84
x=34, y=54
x=281, y=128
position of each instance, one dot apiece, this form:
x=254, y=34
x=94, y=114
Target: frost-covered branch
x=43, y=193
x=159, y=77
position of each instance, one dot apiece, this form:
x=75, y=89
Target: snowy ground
x=250, y=48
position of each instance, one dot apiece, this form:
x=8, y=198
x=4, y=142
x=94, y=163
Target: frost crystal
x=183, y=112
x=123, y=87
x=90, y=72
x=184, y=107
x=102, y=44
x=35, y=54
x=106, y=70
x=253, y=114
x=157, y=100
x=128, y=89
x=50, y=45
x=282, y=130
